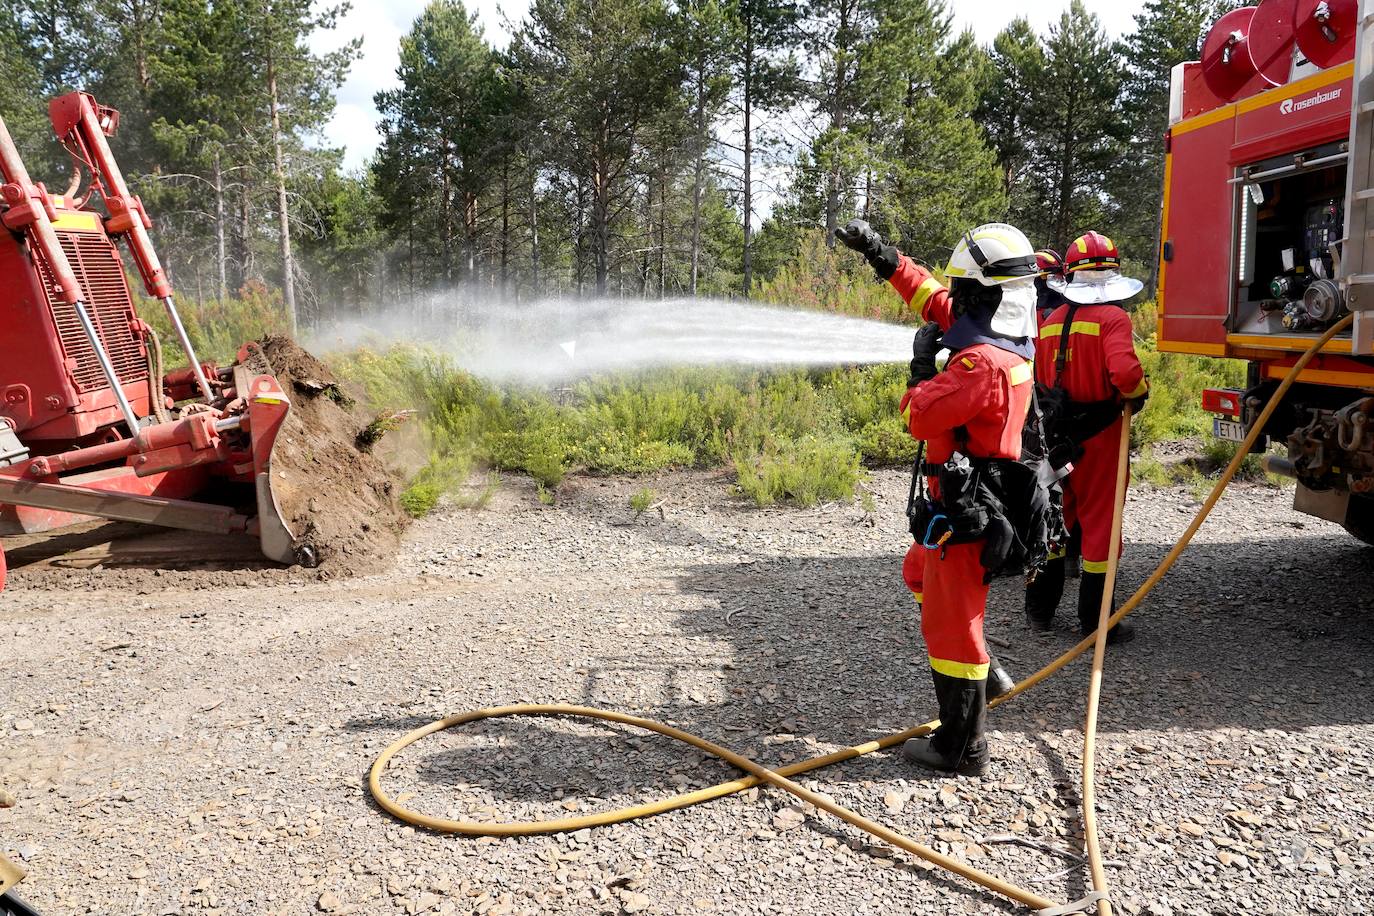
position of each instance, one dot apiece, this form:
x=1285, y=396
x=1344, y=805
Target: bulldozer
x=91, y=426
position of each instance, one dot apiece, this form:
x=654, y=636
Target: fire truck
x=1267, y=238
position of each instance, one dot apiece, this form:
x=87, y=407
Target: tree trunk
x=601, y=212
x=221, y=257
x=838, y=122
x=245, y=235
x=470, y=235
x=747, y=195
x=534, y=231
x=288, y=283
x=697, y=177
x=505, y=227
x=663, y=230
x=446, y=209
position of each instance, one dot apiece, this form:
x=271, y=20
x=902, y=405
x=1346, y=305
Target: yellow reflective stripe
x=923, y=292
x=1138, y=390
x=1095, y=566
x=1058, y=553
x=959, y=669
x=1091, y=328
x=919, y=597
x=1020, y=373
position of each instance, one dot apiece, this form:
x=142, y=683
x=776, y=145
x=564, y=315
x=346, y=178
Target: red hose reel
x=1251, y=49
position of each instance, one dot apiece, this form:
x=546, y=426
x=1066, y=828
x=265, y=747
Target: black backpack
x=1011, y=505
x=1067, y=423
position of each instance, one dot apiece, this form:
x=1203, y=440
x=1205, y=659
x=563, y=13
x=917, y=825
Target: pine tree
x=705, y=33
x=1076, y=130
x=766, y=81
x=22, y=105
x=292, y=94
x=1167, y=33
x=595, y=69
x=442, y=119
x=1015, y=74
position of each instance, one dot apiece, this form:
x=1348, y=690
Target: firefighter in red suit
x=1101, y=372
x=1048, y=282
x=975, y=406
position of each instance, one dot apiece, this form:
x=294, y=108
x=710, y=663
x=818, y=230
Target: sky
x=381, y=23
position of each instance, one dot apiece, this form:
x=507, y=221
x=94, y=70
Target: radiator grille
x=98, y=269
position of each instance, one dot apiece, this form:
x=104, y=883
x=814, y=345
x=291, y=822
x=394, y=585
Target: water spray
x=555, y=340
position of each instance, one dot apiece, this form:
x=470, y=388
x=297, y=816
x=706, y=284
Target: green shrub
x=1217, y=455
x=1174, y=410
x=831, y=279
x=642, y=500
x=420, y=498
x=803, y=472
x=218, y=328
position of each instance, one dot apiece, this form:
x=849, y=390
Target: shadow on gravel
x=1236, y=634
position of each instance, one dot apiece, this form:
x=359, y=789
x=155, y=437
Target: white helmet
x=996, y=254
x=992, y=254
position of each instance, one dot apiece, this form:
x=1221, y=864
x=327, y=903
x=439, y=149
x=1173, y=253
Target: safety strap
x=1062, y=357
x=918, y=476
x=1078, y=906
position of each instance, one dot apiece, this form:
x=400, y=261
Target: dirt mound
x=338, y=499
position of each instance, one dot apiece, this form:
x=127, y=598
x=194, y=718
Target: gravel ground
x=189, y=745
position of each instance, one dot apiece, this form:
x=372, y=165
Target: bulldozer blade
x=267, y=410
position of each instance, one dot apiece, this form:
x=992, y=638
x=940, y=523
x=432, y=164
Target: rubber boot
x=1043, y=595
x=960, y=744
x=999, y=682
x=1090, y=589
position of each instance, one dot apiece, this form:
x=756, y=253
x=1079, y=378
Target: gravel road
x=186, y=743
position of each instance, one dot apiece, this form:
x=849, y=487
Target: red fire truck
x=1267, y=238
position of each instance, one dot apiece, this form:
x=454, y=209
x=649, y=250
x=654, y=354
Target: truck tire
x=1359, y=518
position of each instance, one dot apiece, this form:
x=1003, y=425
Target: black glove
x=860, y=236
x=1138, y=404
x=924, y=346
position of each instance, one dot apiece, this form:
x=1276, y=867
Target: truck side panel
x=1194, y=275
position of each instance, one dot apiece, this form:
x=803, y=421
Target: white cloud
x=381, y=23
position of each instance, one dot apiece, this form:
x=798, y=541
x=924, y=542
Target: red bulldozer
x=90, y=426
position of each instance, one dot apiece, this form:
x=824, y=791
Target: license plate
x=1230, y=430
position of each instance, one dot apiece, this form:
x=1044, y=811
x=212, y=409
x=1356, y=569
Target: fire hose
x=780, y=778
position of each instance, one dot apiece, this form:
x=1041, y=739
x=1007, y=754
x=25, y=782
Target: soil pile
x=338, y=499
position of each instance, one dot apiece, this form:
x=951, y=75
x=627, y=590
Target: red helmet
x=1092, y=251
x=1049, y=263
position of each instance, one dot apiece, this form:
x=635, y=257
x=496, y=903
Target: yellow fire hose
x=759, y=775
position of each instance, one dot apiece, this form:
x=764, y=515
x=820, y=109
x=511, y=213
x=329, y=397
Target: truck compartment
x=1289, y=214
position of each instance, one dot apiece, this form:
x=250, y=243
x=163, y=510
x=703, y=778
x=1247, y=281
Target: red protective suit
x=985, y=393
x=1101, y=365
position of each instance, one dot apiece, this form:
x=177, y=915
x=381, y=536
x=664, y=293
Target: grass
x=793, y=436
